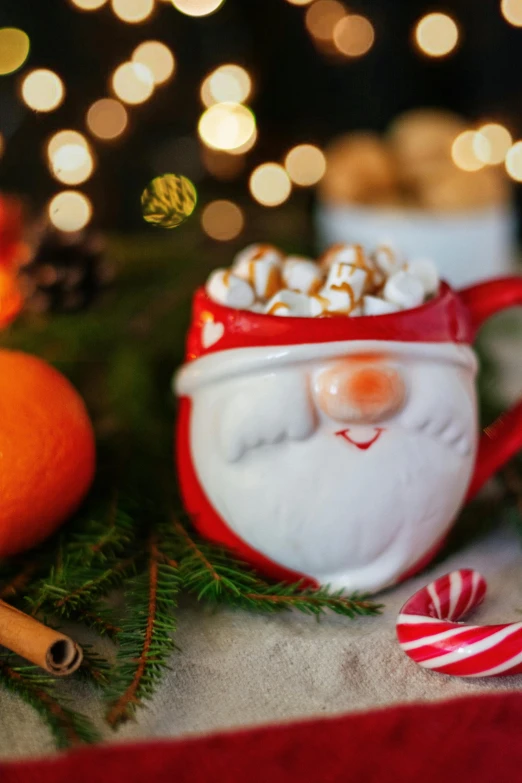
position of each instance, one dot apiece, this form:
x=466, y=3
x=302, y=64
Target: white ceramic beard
x=275, y=471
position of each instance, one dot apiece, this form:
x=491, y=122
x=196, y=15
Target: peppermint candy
x=429, y=634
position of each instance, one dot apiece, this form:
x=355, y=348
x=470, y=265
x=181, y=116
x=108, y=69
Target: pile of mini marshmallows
x=344, y=281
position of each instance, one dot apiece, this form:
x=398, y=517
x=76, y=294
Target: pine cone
x=66, y=273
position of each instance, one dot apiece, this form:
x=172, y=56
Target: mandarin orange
x=47, y=452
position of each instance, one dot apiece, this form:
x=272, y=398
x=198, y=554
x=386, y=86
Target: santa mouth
x=363, y=445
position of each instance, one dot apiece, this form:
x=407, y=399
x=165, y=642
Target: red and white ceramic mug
x=338, y=450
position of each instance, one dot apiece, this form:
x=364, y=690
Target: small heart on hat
x=211, y=333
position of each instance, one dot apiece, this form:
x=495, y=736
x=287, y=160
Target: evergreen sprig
x=145, y=639
x=214, y=575
x=69, y=727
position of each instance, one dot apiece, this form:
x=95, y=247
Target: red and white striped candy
x=429, y=635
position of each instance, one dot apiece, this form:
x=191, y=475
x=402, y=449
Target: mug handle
x=501, y=440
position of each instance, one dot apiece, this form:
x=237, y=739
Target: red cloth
x=475, y=739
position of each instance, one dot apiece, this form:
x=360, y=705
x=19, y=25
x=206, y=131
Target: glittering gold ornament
x=168, y=200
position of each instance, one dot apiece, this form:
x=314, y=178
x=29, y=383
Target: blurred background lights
x=133, y=83
x=322, y=17
x=132, y=11
x=65, y=138
x=72, y=164
x=353, y=35
x=465, y=148
x=300, y=2
x=70, y=210
x=227, y=83
x=270, y=184
x=222, y=165
x=305, y=164
x=88, y=5
x=14, y=49
x=222, y=220
x=499, y=140
x=107, y=118
x=157, y=57
x=43, y=90
x=227, y=126
x=197, y=7
x=512, y=11
x=436, y=35
x=514, y=162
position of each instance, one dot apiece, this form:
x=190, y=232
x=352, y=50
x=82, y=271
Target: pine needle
x=214, y=575
x=145, y=640
x=69, y=728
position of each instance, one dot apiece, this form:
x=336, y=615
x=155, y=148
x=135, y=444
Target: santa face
x=348, y=470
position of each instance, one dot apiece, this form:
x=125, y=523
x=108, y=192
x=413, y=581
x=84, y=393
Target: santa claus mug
x=338, y=450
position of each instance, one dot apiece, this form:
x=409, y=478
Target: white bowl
x=466, y=246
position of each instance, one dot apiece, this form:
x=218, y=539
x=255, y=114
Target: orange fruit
x=47, y=452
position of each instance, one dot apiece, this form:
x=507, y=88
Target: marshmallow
x=344, y=254
x=292, y=303
x=426, y=271
x=404, y=289
x=386, y=260
x=302, y=274
x=372, y=305
x=342, y=275
x=227, y=289
x=259, y=266
x=257, y=252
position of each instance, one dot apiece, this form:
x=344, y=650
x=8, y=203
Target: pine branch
x=146, y=636
x=69, y=589
x=97, y=617
x=69, y=728
x=104, y=533
x=214, y=575
x=94, y=667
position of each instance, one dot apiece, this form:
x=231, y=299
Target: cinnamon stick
x=25, y=636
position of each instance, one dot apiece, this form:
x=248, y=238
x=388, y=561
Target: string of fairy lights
x=227, y=127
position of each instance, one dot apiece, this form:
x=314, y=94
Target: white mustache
x=442, y=426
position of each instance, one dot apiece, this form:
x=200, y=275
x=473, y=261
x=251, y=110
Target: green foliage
x=69, y=727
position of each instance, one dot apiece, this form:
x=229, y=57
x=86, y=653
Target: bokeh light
x=305, y=164
x=322, y=17
x=14, y=49
x=514, y=162
x=70, y=210
x=158, y=58
x=353, y=35
x=133, y=83
x=65, y=138
x=227, y=126
x=43, y=90
x=72, y=164
x=512, y=11
x=222, y=220
x=168, y=200
x=132, y=11
x=270, y=184
x=197, y=7
x=437, y=35
x=465, y=148
x=299, y=2
x=107, y=119
x=499, y=141
x=88, y=5
x=228, y=83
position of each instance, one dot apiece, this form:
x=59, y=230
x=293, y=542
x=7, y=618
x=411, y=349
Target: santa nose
x=354, y=392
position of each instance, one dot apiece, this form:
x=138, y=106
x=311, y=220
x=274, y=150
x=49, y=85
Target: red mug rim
x=442, y=319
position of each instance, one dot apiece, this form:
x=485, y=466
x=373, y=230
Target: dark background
x=299, y=94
